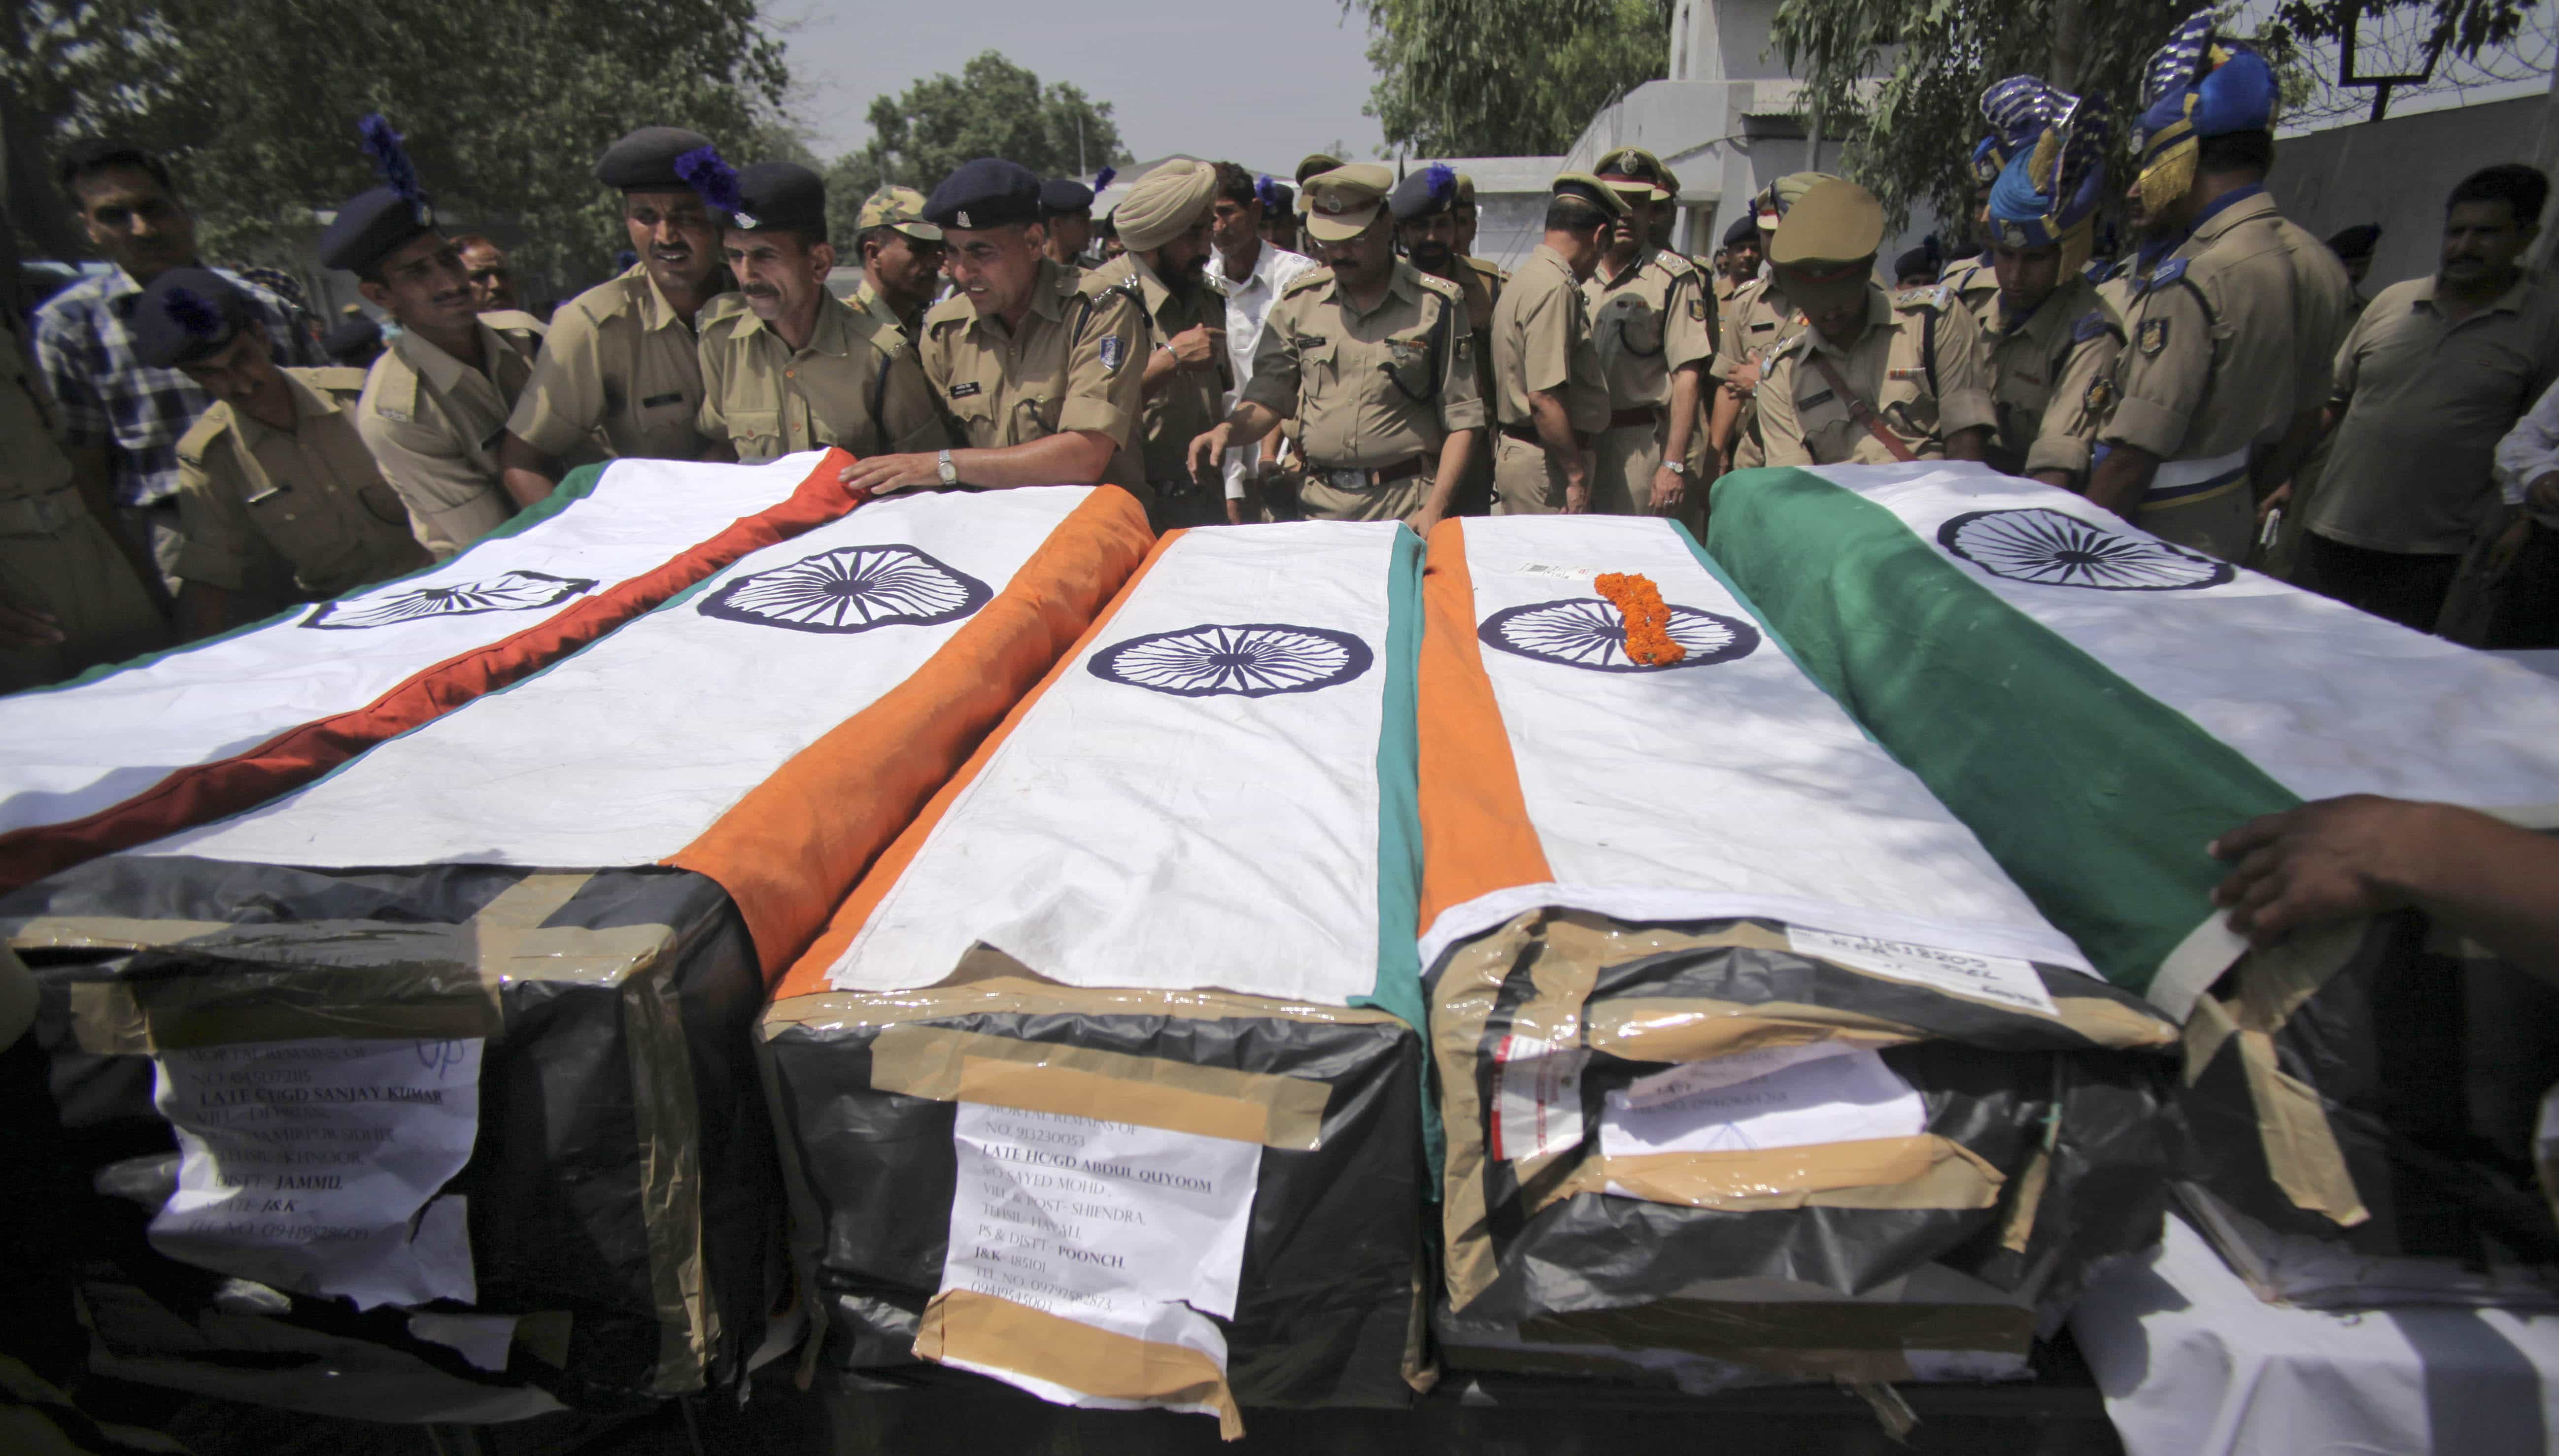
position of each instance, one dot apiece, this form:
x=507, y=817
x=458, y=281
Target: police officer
x=1874, y=377
x=1552, y=396
x=1970, y=275
x=1375, y=357
x=1164, y=221
x=1427, y=206
x=2053, y=338
x=436, y=403
x=1761, y=318
x=1066, y=210
x=1042, y=365
x=1740, y=265
x=901, y=258
x=798, y=368
x=1280, y=218
x=1651, y=322
x=278, y=499
x=1313, y=164
x=624, y=356
x=70, y=596
x=2233, y=331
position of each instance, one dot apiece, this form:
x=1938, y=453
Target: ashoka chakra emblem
x=851, y=589
x=2053, y=548
x=515, y=590
x=1587, y=632
x=1249, y=659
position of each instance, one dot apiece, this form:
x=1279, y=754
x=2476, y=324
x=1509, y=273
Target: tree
x=1505, y=77
x=504, y=105
x=1910, y=138
x=991, y=108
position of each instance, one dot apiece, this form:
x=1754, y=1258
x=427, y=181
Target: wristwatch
x=1675, y=467
x=950, y=473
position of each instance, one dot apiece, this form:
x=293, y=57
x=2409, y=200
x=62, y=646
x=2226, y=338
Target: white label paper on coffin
x=315, y=1165
x=1998, y=979
x=1841, y=1097
x=1536, y=1097
x=1134, y=1230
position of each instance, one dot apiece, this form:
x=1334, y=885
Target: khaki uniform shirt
x=249, y=496
x=2047, y=375
x=433, y=424
x=619, y=360
x=2426, y=401
x=1541, y=344
x=1191, y=401
x=1759, y=322
x=56, y=554
x=868, y=300
x=1480, y=284
x=1648, y=323
x=1976, y=286
x=856, y=384
x=1804, y=421
x=2228, y=338
x=1374, y=389
x=1079, y=363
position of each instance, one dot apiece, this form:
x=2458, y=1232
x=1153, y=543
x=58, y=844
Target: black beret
x=2356, y=241
x=188, y=314
x=1064, y=195
x=358, y=335
x=781, y=195
x=371, y=227
x=1917, y=261
x=644, y=161
x=1745, y=228
x=1424, y=193
x=987, y=193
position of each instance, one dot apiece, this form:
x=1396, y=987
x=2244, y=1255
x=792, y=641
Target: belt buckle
x=1347, y=480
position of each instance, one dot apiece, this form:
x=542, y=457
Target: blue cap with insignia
x=781, y=196
x=987, y=193
x=372, y=226
x=2049, y=194
x=2199, y=85
x=186, y=314
x=645, y=160
x=1064, y=197
x=1425, y=194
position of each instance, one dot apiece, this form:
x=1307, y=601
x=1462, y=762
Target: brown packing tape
x=2274, y=983
x=1697, y=1028
x=2302, y=1152
x=2018, y=1228
x=1922, y=1172
x=1470, y=981
x=950, y=1065
x=1011, y=996
x=2207, y=1027
x=986, y=1330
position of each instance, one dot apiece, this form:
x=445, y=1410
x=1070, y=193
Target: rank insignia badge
x=2154, y=337
x=1112, y=355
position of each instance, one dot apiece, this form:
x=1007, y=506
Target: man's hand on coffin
x=2363, y=854
x=882, y=474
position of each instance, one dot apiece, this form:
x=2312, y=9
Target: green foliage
x=991, y=108
x=506, y=106
x=1505, y=77
x=2463, y=26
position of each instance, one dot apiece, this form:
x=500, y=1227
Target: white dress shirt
x=2528, y=452
x=1248, y=306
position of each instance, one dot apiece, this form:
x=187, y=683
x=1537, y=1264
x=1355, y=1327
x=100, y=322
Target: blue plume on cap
x=189, y=311
x=389, y=158
x=714, y=181
x=1102, y=179
x=1265, y=192
x=1442, y=182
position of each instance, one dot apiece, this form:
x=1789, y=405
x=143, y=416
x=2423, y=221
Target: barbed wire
x=2394, y=44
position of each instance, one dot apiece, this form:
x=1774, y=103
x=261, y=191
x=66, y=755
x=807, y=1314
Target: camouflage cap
x=901, y=208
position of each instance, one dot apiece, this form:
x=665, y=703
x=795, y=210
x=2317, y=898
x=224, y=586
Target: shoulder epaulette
x=514, y=321
x=1678, y=266
x=1312, y=278
x=393, y=388
x=2091, y=325
x=879, y=332
x=1441, y=286
x=1487, y=267
x=1790, y=343
x=2164, y=274
x=209, y=427
x=336, y=380
x=719, y=306
x=1934, y=295
x=948, y=312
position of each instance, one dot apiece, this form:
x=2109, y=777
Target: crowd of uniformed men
x=1185, y=348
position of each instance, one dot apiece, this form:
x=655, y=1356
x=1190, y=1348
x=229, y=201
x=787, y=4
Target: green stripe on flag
x=2096, y=799
x=1398, y=991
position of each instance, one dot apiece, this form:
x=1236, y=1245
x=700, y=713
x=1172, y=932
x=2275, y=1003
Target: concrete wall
x=2396, y=173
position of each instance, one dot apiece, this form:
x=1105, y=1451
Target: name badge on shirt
x=964, y=392
x=1905, y=373
x=654, y=401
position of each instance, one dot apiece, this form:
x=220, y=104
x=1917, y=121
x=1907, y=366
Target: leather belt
x=1352, y=477
x=1647, y=415
x=1528, y=435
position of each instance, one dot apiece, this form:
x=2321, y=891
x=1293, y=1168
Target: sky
x=1259, y=84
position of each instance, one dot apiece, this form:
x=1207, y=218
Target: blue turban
x=2053, y=184
x=2196, y=85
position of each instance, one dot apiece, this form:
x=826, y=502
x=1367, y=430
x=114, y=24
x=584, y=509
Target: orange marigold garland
x=1648, y=622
